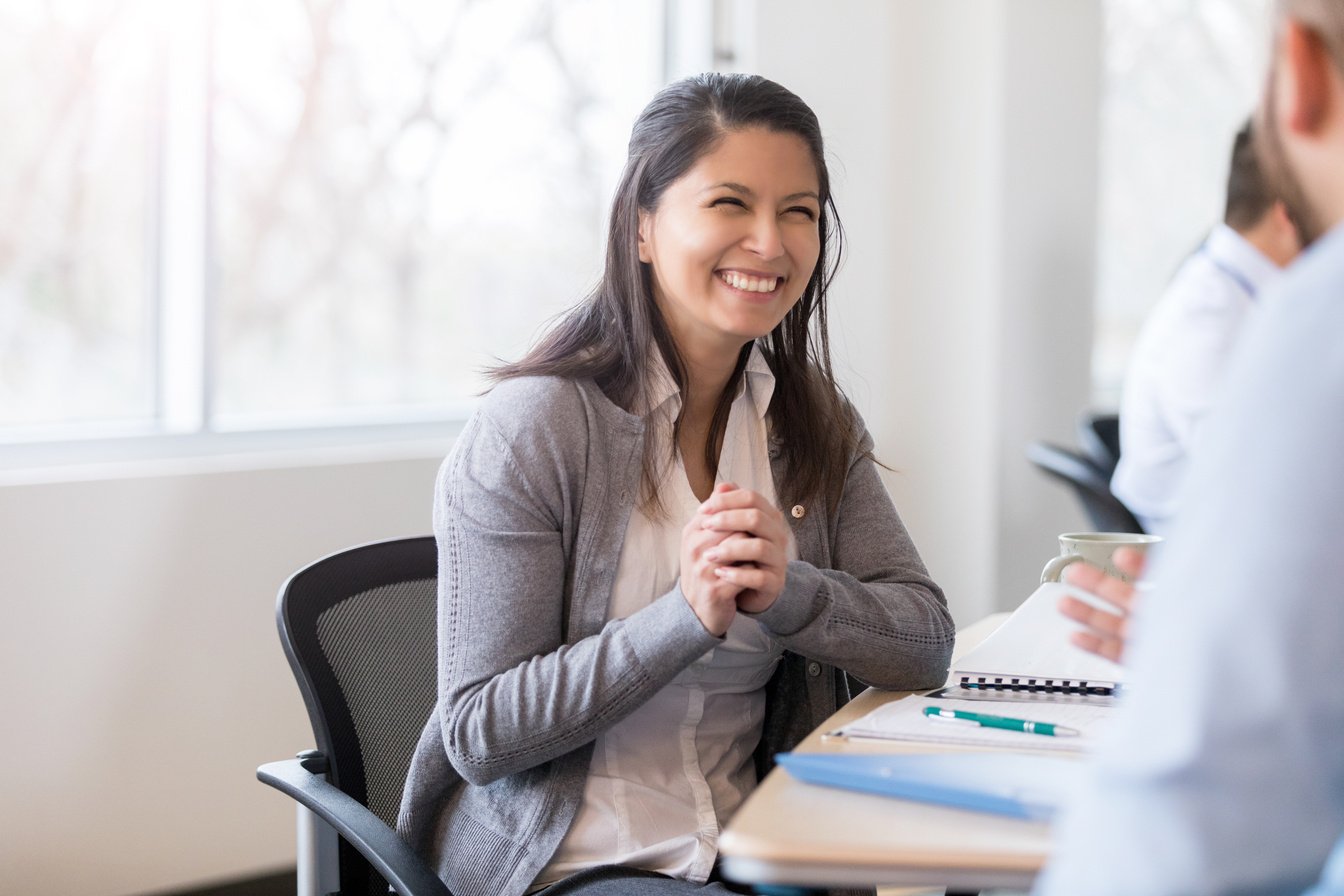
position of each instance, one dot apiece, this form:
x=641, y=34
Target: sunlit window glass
x=80, y=104
x=1180, y=78
x=403, y=191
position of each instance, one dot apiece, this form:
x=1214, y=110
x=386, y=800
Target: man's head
x=1300, y=123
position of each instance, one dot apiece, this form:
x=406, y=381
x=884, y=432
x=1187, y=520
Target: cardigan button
x=814, y=668
x=798, y=511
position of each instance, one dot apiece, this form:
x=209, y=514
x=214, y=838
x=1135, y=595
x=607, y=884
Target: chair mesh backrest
x=380, y=644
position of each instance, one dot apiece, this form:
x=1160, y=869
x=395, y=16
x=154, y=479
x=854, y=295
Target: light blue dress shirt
x=1224, y=770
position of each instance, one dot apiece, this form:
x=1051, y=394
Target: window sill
x=131, y=457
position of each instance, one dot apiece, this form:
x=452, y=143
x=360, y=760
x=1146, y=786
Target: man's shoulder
x=1201, y=285
x=1200, y=301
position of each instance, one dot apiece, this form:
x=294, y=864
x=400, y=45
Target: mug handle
x=1054, y=570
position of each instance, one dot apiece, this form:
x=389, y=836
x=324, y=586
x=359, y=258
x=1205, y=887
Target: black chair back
x=359, y=629
x=1089, y=482
x=1099, y=436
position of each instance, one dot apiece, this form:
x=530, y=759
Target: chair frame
x=337, y=794
x=1099, y=437
x=1089, y=482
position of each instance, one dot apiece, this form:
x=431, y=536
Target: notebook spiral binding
x=1035, y=685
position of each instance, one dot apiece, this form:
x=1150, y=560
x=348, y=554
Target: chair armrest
x=393, y=858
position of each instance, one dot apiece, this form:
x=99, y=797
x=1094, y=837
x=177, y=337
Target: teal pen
x=977, y=718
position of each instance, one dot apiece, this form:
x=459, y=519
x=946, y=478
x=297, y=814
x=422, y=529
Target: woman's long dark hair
x=606, y=337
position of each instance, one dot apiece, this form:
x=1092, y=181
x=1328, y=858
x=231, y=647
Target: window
x=246, y=215
x=1180, y=78
x=80, y=96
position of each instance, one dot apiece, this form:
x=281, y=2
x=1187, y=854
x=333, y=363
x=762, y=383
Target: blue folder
x=1016, y=785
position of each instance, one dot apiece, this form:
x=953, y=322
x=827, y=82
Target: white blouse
x=663, y=781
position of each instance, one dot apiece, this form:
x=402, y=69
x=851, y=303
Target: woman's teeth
x=750, y=284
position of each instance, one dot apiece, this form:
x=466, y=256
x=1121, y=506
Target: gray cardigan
x=530, y=512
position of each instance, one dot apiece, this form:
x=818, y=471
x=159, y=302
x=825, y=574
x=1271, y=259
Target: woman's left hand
x=754, y=557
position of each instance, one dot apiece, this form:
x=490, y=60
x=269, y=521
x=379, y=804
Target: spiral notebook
x=1030, y=655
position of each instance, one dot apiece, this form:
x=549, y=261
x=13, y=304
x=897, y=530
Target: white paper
x=905, y=720
x=1034, y=643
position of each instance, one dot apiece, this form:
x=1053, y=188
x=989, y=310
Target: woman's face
x=734, y=240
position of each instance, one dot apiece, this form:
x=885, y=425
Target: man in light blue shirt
x=1224, y=770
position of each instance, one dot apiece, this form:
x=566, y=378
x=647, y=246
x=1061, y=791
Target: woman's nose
x=765, y=238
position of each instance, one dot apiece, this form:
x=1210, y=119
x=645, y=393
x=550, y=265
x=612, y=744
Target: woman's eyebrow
x=730, y=185
x=747, y=191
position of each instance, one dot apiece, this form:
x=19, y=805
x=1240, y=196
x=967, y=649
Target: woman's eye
x=804, y=210
x=729, y=200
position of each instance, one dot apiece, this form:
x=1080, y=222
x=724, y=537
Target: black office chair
x=359, y=628
x=1099, y=436
x=1089, y=483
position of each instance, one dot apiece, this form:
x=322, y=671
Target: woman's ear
x=645, y=228
x=1305, y=87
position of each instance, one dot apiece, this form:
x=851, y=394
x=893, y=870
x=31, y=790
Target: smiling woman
x=630, y=624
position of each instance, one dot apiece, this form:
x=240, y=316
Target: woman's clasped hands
x=733, y=556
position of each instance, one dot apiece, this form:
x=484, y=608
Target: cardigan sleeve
x=875, y=612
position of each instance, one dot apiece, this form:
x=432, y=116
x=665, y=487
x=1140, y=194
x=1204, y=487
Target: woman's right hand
x=713, y=600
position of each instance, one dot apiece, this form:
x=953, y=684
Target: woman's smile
x=751, y=282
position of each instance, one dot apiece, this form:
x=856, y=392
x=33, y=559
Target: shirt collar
x=758, y=381
x=1231, y=250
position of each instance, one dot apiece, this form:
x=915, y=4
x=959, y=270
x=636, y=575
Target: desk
x=799, y=834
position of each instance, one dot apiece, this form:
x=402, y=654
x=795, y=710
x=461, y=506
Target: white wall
x=963, y=143
x=1048, y=164
x=142, y=680
x=141, y=676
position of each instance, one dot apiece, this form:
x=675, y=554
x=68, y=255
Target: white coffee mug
x=1096, y=548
